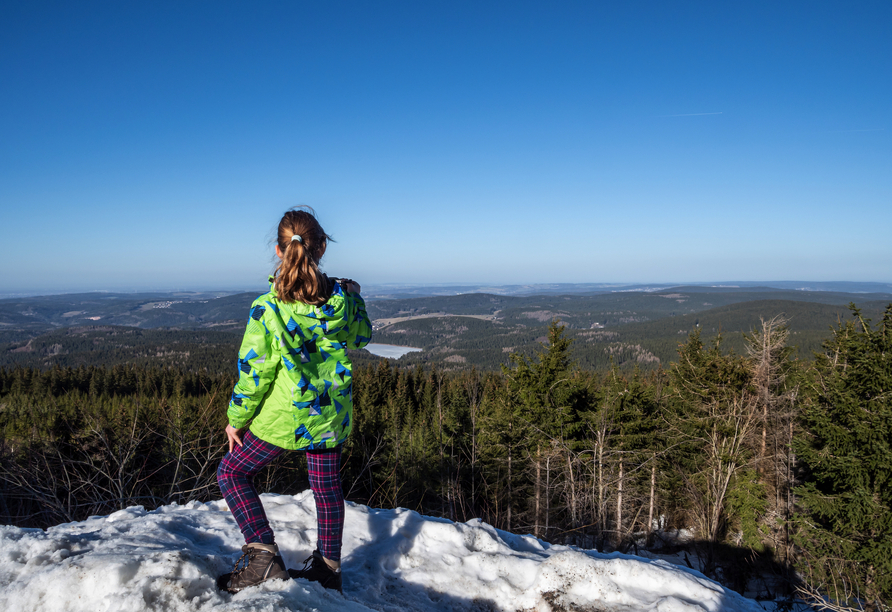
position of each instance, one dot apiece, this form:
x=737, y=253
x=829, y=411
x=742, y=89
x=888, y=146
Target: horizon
x=481, y=288
x=155, y=147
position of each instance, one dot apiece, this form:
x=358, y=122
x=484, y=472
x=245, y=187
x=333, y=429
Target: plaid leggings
x=236, y=478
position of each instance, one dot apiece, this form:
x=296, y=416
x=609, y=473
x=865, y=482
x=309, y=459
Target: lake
x=391, y=351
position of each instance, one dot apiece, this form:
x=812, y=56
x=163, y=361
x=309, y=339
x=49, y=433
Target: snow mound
x=394, y=561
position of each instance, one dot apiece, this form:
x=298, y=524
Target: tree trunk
x=619, y=505
x=538, y=492
x=547, y=493
x=602, y=516
x=574, y=521
x=653, y=487
x=510, y=492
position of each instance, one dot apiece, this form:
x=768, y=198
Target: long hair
x=302, y=242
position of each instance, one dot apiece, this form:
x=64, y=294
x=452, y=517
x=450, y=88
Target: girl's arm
x=359, y=327
x=257, y=368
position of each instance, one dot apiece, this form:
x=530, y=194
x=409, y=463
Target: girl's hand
x=234, y=435
x=349, y=285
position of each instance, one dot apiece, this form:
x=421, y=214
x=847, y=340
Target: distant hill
x=810, y=324
x=114, y=345
x=595, y=312
x=111, y=345
x=410, y=291
x=461, y=341
x=643, y=327
x=156, y=310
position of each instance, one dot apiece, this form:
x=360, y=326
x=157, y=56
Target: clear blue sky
x=155, y=145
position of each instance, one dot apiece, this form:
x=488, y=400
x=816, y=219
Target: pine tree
x=545, y=399
x=500, y=441
x=713, y=417
x=845, y=529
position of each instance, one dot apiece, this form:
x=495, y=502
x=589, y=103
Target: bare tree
x=768, y=358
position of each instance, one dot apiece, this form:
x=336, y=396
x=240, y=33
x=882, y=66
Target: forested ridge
x=636, y=336
x=779, y=465
x=643, y=339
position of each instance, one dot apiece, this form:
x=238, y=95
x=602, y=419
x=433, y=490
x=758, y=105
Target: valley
x=632, y=329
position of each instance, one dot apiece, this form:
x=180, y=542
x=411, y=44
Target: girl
x=295, y=383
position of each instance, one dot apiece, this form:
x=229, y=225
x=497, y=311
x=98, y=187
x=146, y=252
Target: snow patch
x=394, y=561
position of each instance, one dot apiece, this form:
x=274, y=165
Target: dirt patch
x=542, y=315
x=599, y=336
x=23, y=349
x=382, y=323
x=556, y=601
x=625, y=352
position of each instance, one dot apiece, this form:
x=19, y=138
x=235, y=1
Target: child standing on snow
x=295, y=382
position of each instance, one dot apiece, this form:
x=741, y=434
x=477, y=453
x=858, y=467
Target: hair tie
x=298, y=238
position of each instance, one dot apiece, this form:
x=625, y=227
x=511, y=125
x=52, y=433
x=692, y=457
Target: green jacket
x=295, y=380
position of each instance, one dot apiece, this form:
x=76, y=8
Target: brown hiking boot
x=261, y=562
x=317, y=570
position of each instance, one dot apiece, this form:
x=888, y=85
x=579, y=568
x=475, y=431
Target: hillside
x=113, y=345
x=464, y=341
x=34, y=315
x=631, y=328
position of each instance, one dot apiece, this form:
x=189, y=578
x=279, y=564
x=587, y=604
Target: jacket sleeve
x=359, y=328
x=257, y=368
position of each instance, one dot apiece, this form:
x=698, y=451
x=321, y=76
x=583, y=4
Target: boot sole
x=222, y=580
x=295, y=574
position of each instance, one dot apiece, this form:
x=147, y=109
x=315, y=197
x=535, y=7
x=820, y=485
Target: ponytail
x=302, y=242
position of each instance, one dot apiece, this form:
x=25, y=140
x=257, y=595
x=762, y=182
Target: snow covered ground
x=394, y=561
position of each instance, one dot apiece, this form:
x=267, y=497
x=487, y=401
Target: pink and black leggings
x=236, y=478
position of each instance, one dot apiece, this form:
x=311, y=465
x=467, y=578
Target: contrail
x=849, y=131
x=690, y=115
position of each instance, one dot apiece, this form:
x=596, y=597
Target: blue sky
x=155, y=145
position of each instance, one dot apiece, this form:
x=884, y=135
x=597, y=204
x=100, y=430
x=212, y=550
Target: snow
x=394, y=561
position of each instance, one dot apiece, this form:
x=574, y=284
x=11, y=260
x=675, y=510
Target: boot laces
x=250, y=553
x=308, y=563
